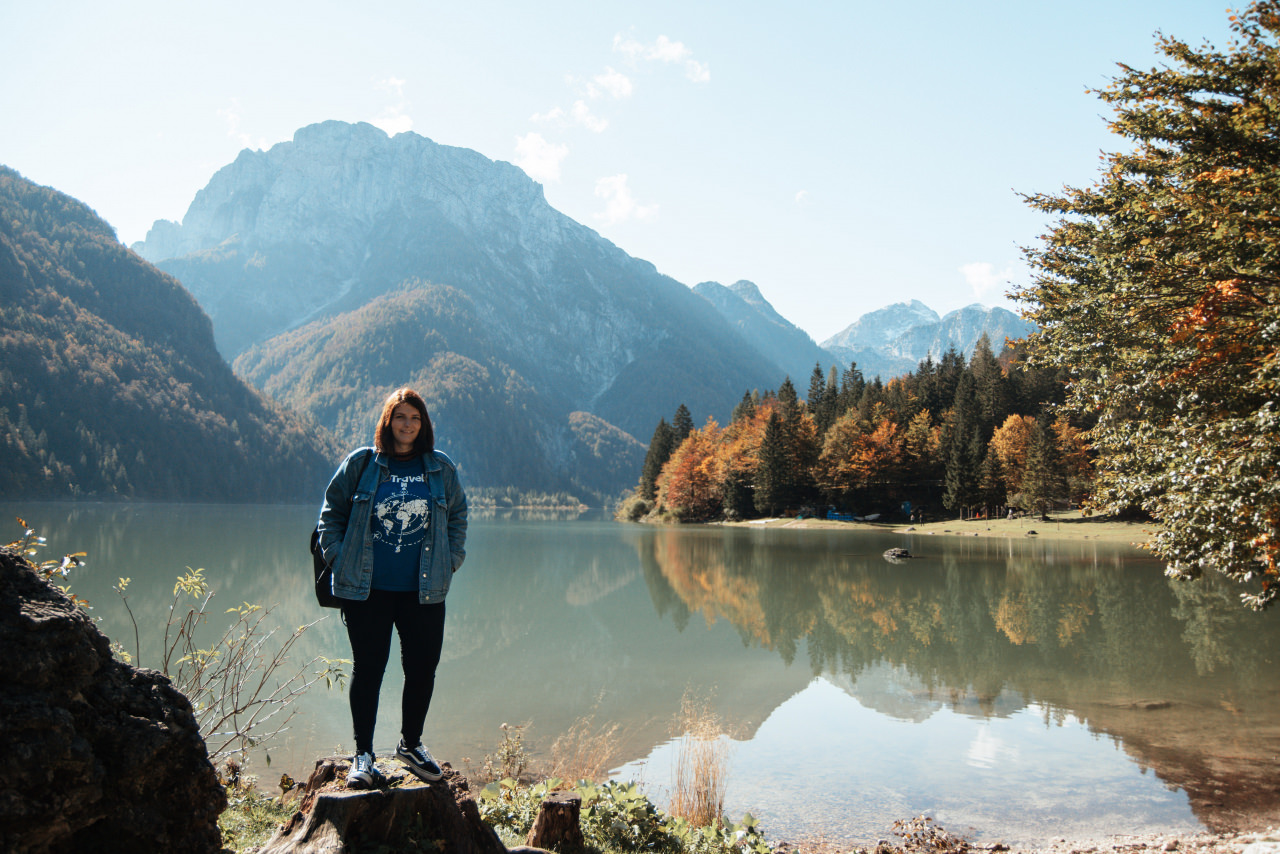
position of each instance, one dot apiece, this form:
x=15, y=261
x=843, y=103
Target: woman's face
x=406, y=421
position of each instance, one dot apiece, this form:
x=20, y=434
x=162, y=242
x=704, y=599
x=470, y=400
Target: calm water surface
x=1016, y=690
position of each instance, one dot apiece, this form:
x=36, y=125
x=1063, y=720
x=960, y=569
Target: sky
x=840, y=155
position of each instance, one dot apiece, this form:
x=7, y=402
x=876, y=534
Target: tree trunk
x=557, y=826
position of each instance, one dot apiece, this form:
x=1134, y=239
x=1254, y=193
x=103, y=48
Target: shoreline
x=1206, y=842
x=1066, y=525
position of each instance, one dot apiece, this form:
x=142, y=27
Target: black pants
x=421, y=630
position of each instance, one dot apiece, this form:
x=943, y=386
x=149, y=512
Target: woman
x=393, y=527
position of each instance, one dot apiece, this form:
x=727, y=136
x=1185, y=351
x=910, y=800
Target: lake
x=1015, y=690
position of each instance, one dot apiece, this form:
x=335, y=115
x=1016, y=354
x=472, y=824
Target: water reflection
x=1024, y=688
x=1178, y=673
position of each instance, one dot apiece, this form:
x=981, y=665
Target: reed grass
x=584, y=752
x=702, y=763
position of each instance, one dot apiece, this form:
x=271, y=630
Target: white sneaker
x=364, y=772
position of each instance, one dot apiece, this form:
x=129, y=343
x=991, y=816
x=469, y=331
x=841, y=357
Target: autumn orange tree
x=691, y=481
x=1158, y=289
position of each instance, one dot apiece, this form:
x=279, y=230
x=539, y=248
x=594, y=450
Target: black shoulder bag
x=322, y=571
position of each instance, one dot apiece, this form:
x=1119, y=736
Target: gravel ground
x=1267, y=842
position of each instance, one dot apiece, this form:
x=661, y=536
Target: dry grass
x=698, y=786
x=585, y=752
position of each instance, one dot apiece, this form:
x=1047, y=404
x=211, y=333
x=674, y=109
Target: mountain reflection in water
x=1024, y=689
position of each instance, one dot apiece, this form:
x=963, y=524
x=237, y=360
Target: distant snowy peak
x=893, y=340
x=878, y=328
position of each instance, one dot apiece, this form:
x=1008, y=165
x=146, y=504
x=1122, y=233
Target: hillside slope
x=110, y=384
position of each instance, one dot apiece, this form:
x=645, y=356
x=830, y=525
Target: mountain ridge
x=315, y=229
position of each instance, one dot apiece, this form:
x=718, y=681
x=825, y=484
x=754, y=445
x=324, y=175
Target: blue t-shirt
x=401, y=510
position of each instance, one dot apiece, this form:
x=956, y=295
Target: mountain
x=777, y=339
x=892, y=341
x=343, y=263
x=110, y=383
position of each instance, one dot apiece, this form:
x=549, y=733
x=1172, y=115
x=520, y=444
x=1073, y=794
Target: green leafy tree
x=1158, y=289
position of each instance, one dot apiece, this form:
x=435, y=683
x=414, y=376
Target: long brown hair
x=383, y=439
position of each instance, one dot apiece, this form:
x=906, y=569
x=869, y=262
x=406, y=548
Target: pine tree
x=990, y=386
x=991, y=489
x=851, y=385
x=1044, y=483
x=745, y=409
x=660, y=448
x=772, y=470
x=817, y=387
x=681, y=425
x=960, y=486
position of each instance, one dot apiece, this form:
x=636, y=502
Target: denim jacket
x=346, y=538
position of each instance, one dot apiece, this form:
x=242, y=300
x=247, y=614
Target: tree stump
x=557, y=826
x=332, y=819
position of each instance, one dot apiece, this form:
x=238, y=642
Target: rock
x=897, y=555
x=95, y=755
x=334, y=819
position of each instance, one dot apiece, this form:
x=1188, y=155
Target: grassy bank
x=1068, y=525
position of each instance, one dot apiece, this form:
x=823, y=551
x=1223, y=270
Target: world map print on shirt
x=400, y=516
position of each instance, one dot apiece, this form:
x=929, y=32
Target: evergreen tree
x=1044, y=483
x=817, y=387
x=660, y=448
x=991, y=387
x=950, y=369
x=681, y=425
x=788, y=399
x=991, y=488
x=745, y=409
x=963, y=446
x=851, y=385
x=960, y=486
x=825, y=410
x=772, y=470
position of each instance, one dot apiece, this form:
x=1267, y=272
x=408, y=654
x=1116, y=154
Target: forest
x=973, y=437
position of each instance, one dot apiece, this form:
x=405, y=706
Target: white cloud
x=620, y=205
x=555, y=114
x=231, y=115
x=611, y=82
x=394, y=85
x=538, y=158
x=985, y=280
x=696, y=71
x=393, y=120
x=394, y=117
x=666, y=50
x=629, y=48
x=582, y=115
x=802, y=196
x=663, y=49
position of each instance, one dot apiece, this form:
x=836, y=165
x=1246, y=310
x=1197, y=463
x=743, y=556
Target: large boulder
x=95, y=755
